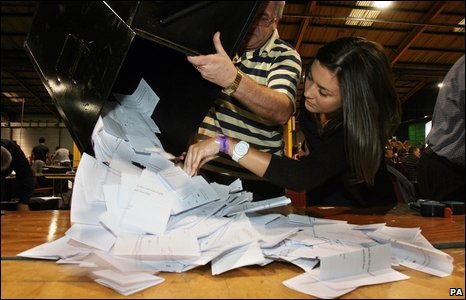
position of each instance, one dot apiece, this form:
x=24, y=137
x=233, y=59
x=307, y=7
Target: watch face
x=241, y=148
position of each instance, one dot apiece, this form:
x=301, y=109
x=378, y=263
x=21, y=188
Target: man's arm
x=218, y=68
x=263, y=101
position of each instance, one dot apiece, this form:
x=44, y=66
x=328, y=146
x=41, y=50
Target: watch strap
x=234, y=86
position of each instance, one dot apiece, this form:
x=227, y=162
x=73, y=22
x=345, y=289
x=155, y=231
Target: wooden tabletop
x=46, y=279
x=60, y=176
x=24, y=230
x=27, y=278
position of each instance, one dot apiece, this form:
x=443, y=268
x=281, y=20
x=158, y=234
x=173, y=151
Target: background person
x=41, y=152
x=13, y=159
x=349, y=111
x=259, y=95
x=61, y=156
x=441, y=167
x=410, y=163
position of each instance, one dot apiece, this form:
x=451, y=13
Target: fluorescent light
x=13, y=97
x=459, y=29
x=440, y=84
x=381, y=4
x=357, y=17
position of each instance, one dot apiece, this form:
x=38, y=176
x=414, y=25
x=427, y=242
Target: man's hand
x=217, y=68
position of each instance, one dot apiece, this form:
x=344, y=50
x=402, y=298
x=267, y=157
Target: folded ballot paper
x=257, y=206
x=135, y=214
x=126, y=283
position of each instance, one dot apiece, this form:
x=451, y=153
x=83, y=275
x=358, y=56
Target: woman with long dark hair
x=350, y=109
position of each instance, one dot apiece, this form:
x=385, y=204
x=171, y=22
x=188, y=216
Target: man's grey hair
x=6, y=159
x=279, y=9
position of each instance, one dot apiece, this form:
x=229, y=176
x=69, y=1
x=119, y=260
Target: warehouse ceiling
x=423, y=39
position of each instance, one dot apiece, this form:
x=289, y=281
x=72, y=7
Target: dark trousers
x=260, y=189
x=439, y=179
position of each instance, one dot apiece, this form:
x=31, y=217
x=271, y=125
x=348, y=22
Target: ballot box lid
x=84, y=51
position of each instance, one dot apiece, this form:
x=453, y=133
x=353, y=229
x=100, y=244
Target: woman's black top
x=325, y=174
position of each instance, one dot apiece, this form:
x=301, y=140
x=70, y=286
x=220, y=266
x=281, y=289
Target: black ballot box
x=84, y=51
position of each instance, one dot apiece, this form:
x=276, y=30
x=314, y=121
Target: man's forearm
x=263, y=101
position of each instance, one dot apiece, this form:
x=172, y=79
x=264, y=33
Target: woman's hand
x=200, y=153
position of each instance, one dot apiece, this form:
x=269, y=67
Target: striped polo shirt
x=275, y=65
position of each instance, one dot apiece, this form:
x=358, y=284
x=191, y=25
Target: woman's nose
x=309, y=90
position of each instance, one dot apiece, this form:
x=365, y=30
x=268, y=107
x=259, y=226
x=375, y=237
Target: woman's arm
x=198, y=154
x=322, y=164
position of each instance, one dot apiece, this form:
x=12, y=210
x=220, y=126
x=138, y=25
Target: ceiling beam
x=409, y=11
x=310, y=9
x=33, y=94
x=434, y=11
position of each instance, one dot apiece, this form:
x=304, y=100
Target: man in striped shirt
x=259, y=96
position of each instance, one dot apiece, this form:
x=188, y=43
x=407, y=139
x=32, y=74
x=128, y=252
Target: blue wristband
x=224, y=143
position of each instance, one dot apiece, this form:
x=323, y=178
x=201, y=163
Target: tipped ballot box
x=85, y=51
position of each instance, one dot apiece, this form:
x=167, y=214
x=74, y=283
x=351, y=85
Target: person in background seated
x=13, y=159
x=410, y=163
x=61, y=156
x=441, y=167
x=389, y=155
x=349, y=111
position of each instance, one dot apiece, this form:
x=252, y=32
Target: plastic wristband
x=223, y=142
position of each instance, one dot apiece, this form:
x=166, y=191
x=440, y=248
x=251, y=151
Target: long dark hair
x=371, y=109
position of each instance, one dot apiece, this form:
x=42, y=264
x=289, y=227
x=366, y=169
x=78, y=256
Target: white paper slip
x=257, y=206
x=177, y=245
x=126, y=283
x=307, y=284
x=53, y=250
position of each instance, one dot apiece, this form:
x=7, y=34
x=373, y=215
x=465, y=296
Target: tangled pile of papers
x=135, y=214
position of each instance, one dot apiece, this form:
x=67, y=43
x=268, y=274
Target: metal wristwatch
x=240, y=150
x=234, y=86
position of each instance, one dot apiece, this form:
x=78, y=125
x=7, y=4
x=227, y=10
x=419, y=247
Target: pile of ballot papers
x=135, y=214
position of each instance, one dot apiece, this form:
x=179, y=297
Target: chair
x=404, y=189
x=42, y=186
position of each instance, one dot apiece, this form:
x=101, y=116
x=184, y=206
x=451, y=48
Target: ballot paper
x=249, y=254
x=143, y=100
x=428, y=260
x=92, y=235
x=150, y=205
x=191, y=192
x=257, y=206
x=178, y=245
x=340, y=274
x=126, y=283
x=307, y=284
x=60, y=248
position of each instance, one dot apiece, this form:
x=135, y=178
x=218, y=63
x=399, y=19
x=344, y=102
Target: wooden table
x=26, y=278
x=65, y=202
x=60, y=176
